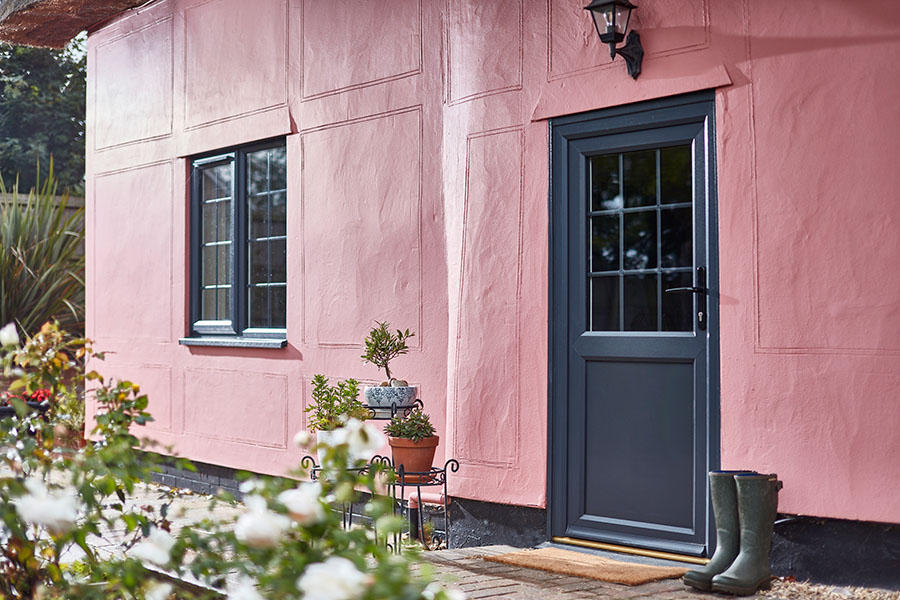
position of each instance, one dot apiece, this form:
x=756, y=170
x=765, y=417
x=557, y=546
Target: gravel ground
x=789, y=589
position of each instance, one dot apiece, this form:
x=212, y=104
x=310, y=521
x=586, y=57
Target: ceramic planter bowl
x=385, y=397
x=416, y=457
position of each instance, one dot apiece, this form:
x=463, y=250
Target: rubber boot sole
x=742, y=590
x=703, y=586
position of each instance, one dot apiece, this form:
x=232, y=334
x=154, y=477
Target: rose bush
x=287, y=543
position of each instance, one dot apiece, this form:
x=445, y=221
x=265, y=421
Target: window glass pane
x=224, y=303
x=223, y=180
x=278, y=214
x=208, y=189
x=209, y=220
x=223, y=262
x=209, y=273
x=640, y=308
x=605, y=182
x=677, y=228
x=277, y=261
x=277, y=169
x=259, y=307
x=640, y=240
x=604, y=305
x=604, y=243
x=208, y=305
x=258, y=172
x=677, y=307
x=675, y=175
x=258, y=255
x=639, y=178
x=259, y=216
x=224, y=219
x=278, y=298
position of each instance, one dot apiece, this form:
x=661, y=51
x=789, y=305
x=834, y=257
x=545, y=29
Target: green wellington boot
x=723, y=493
x=757, y=507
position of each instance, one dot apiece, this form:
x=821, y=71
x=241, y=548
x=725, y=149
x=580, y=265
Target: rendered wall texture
x=418, y=181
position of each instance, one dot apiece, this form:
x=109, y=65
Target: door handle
x=702, y=291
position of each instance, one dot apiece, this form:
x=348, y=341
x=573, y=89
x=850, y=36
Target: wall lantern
x=611, y=22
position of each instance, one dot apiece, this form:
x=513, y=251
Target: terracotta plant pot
x=416, y=457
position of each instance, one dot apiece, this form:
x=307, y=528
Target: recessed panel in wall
x=362, y=245
x=485, y=47
x=155, y=382
x=236, y=406
x=133, y=94
x=486, y=401
x=573, y=45
x=353, y=44
x=235, y=59
x=132, y=254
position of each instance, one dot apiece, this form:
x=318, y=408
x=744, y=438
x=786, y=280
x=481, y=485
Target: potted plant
x=382, y=346
x=412, y=440
x=332, y=406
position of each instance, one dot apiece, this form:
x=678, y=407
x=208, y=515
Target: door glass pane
x=605, y=192
x=677, y=307
x=675, y=175
x=640, y=303
x=639, y=178
x=640, y=240
x=605, y=243
x=677, y=229
x=604, y=307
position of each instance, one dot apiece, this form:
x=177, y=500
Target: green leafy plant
x=333, y=404
x=382, y=347
x=414, y=426
x=41, y=264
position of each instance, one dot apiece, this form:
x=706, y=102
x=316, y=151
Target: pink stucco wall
x=417, y=147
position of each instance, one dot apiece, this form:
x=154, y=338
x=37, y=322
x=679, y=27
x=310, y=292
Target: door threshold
x=630, y=550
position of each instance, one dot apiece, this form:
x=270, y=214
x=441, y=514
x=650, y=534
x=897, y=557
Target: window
x=239, y=246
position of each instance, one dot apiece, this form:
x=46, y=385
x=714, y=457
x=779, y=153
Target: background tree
x=42, y=107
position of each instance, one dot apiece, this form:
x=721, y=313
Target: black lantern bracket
x=632, y=52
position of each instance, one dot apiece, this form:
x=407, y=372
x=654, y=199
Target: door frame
x=687, y=108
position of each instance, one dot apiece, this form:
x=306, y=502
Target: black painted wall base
x=207, y=480
x=836, y=552
x=475, y=523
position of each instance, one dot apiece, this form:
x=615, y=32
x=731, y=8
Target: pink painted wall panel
x=486, y=392
x=155, y=381
x=484, y=47
x=132, y=242
x=249, y=407
x=362, y=234
x=241, y=69
x=135, y=102
x=352, y=44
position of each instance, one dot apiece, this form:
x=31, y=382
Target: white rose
x=303, y=503
x=302, y=439
x=244, y=589
x=155, y=549
x=57, y=512
x=335, y=579
x=259, y=527
x=362, y=439
x=8, y=335
x=160, y=591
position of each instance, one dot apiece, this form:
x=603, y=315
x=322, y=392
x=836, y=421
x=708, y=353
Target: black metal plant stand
x=436, y=477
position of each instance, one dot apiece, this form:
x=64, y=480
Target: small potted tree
x=331, y=407
x=382, y=346
x=413, y=443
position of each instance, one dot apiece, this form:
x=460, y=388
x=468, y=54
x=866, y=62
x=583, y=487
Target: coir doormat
x=579, y=564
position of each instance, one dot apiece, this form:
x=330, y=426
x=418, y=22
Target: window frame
x=236, y=331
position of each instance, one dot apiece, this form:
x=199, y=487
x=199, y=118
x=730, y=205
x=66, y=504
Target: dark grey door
x=634, y=325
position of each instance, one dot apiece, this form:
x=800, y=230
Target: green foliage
x=333, y=405
x=42, y=113
x=382, y=346
x=415, y=426
x=41, y=266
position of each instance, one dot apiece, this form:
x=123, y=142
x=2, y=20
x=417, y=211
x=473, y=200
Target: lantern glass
x=610, y=19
